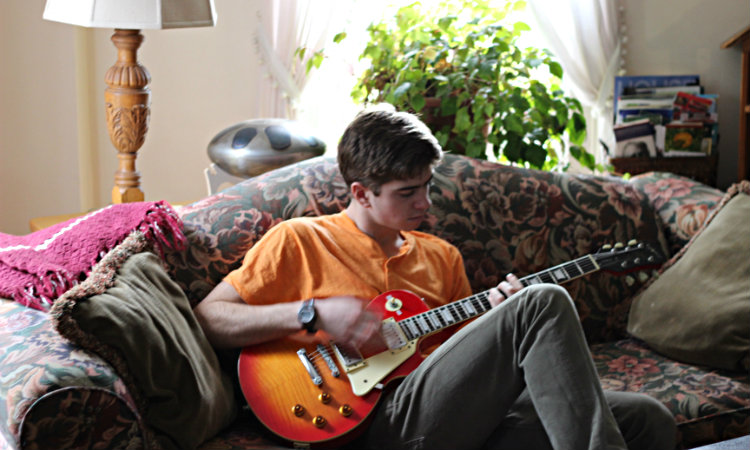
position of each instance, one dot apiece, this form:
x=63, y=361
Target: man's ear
x=359, y=193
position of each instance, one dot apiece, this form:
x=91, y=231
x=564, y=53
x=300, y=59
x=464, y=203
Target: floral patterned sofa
x=55, y=395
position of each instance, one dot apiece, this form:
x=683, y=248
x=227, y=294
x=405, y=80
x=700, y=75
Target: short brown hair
x=381, y=145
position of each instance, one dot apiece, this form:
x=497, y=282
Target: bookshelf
x=699, y=168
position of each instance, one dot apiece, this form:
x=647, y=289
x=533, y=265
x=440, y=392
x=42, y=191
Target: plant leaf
x=463, y=121
x=401, y=90
x=535, y=155
x=584, y=157
x=514, y=124
x=418, y=102
x=555, y=69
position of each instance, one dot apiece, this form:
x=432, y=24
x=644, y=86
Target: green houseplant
x=459, y=67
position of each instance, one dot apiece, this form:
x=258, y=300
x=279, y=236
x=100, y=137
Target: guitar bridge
x=309, y=367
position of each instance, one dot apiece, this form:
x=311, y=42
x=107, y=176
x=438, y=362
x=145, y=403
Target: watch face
x=306, y=315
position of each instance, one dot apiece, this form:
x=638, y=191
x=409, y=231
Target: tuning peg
x=629, y=280
x=642, y=277
x=619, y=245
x=606, y=247
x=632, y=243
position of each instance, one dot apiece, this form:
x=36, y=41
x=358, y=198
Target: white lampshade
x=132, y=14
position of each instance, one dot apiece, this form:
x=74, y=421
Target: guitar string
x=457, y=311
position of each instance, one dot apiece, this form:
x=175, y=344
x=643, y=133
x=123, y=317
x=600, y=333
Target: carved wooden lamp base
x=127, y=102
x=127, y=97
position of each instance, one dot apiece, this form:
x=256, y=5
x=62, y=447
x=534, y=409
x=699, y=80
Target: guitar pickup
x=392, y=334
x=349, y=356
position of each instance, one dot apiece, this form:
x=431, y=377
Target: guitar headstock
x=628, y=258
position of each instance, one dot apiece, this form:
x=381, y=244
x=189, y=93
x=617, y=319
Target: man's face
x=402, y=204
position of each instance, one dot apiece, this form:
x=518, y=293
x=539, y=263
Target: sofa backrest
x=503, y=219
x=682, y=204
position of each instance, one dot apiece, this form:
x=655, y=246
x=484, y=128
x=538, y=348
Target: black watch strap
x=307, y=315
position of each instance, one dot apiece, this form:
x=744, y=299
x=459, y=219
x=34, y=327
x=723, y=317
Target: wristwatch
x=307, y=315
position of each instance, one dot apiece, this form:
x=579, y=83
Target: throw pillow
x=133, y=315
x=697, y=310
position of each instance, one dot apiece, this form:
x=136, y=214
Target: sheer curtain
x=283, y=27
x=585, y=36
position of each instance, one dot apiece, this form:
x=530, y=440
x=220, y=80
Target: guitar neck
x=459, y=311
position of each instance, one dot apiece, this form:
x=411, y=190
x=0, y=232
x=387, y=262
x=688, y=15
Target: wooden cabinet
x=699, y=168
x=743, y=152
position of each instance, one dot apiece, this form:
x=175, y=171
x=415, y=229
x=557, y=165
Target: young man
x=520, y=376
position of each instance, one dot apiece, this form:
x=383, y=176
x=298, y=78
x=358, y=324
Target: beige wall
x=684, y=37
x=204, y=80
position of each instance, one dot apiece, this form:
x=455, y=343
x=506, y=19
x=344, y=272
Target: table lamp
x=127, y=97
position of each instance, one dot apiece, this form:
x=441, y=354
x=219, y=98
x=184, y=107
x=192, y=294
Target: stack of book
x=664, y=115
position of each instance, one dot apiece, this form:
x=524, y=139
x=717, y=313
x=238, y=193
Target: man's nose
x=424, y=201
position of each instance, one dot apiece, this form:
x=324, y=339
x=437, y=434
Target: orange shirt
x=328, y=256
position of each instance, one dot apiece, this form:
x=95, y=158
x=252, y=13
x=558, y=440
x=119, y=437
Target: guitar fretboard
x=459, y=311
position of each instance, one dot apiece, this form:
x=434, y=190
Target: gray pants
x=520, y=377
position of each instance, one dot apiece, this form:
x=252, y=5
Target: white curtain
x=283, y=27
x=585, y=37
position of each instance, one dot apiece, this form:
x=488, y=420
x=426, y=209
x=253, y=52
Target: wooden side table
x=699, y=168
x=39, y=223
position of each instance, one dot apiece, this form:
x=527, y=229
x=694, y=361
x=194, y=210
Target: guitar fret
x=578, y=266
x=412, y=328
x=458, y=311
x=447, y=316
x=405, y=330
x=546, y=277
x=431, y=317
x=572, y=270
x=588, y=265
x=484, y=301
x=424, y=325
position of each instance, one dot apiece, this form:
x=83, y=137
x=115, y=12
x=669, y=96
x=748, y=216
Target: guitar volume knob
x=319, y=421
x=298, y=410
x=324, y=397
x=346, y=410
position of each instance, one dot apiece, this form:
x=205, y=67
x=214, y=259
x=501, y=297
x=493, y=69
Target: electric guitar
x=312, y=391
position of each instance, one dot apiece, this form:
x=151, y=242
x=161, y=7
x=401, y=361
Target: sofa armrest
x=49, y=387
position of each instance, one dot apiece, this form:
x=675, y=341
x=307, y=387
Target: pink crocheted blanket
x=37, y=268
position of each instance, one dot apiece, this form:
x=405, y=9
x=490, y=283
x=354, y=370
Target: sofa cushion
x=134, y=316
x=697, y=310
x=709, y=405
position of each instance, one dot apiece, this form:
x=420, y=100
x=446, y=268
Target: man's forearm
x=229, y=322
